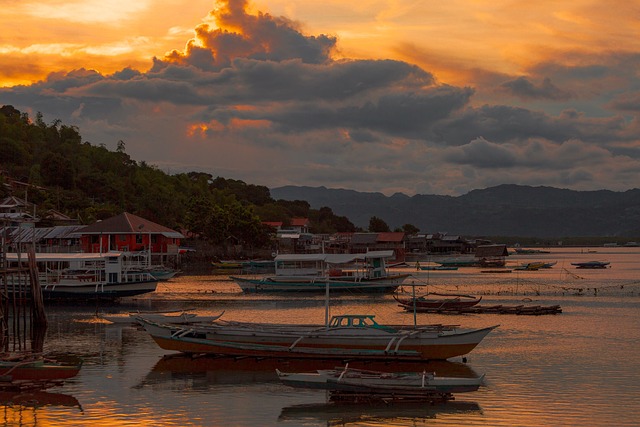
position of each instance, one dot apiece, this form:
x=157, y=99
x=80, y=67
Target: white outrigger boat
x=177, y=317
x=382, y=384
x=344, y=337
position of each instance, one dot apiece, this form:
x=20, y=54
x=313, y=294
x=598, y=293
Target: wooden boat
x=366, y=272
x=530, y=266
x=227, y=265
x=535, y=265
x=39, y=368
x=523, y=251
x=591, y=264
x=437, y=268
x=176, y=317
x=441, y=301
x=467, y=261
x=344, y=337
x=395, y=384
x=84, y=276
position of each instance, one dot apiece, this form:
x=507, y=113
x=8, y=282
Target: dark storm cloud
x=523, y=87
x=627, y=102
x=482, y=154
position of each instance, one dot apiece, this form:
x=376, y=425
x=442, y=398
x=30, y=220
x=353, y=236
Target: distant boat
x=227, y=265
x=363, y=272
x=591, y=264
x=179, y=317
x=437, y=268
x=523, y=251
x=530, y=266
x=437, y=301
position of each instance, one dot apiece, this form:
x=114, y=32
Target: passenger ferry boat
x=80, y=275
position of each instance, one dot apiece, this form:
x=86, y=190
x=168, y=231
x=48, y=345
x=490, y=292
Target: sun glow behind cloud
x=477, y=92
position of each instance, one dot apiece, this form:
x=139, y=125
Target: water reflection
x=396, y=413
x=22, y=408
x=37, y=399
x=210, y=369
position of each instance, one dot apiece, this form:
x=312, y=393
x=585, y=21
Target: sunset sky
x=419, y=97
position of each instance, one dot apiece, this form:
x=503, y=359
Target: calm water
x=578, y=368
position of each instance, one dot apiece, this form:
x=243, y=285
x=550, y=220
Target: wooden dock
x=528, y=310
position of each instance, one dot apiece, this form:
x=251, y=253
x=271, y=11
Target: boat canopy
x=49, y=257
x=334, y=258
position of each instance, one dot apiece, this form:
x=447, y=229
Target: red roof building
x=129, y=233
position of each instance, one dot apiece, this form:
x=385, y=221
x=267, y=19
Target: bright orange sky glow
x=479, y=92
x=450, y=37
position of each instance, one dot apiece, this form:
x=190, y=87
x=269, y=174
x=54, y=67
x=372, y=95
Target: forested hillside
x=57, y=170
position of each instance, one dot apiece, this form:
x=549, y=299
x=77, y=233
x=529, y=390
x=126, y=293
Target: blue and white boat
x=365, y=272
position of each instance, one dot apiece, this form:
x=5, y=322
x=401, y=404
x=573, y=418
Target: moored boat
x=591, y=264
x=344, y=337
x=436, y=300
x=366, y=272
x=392, y=384
x=84, y=276
x=175, y=317
x=39, y=368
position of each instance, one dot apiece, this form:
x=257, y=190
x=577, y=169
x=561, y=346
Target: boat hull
x=444, y=303
x=385, y=383
x=39, y=370
x=318, y=285
x=318, y=343
x=98, y=291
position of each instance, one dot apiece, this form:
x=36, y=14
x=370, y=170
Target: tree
x=377, y=225
x=410, y=229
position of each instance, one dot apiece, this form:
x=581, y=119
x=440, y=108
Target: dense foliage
x=51, y=166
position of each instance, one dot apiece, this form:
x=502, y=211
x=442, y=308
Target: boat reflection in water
x=37, y=399
x=396, y=413
x=25, y=408
x=211, y=370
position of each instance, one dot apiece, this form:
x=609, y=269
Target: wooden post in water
x=38, y=315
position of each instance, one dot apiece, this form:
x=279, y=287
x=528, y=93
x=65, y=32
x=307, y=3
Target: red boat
x=39, y=369
x=436, y=301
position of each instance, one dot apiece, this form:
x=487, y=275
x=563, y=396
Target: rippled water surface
x=578, y=368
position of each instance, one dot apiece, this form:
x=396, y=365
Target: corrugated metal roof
x=364, y=238
x=63, y=232
x=127, y=223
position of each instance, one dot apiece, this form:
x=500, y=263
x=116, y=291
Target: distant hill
x=504, y=210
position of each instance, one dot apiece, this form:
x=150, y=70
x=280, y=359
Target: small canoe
x=173, y=317
x=437, y=301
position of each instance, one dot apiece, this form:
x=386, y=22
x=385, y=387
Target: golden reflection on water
x=576, y=368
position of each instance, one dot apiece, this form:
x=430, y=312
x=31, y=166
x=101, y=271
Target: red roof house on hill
x=129, y=233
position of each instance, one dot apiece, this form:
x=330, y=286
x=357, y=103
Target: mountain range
x=504, y=210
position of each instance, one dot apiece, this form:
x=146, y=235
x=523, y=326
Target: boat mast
x=326, y=304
